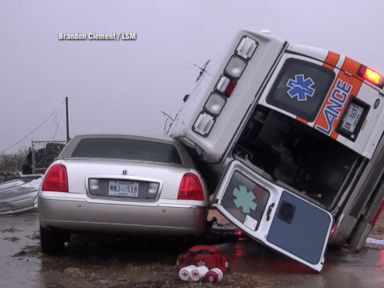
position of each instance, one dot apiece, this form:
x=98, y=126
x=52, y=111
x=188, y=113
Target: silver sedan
x=114, y=183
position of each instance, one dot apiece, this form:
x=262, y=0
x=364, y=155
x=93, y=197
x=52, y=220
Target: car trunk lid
x=123, y=179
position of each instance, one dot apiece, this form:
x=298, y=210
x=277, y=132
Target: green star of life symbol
x=244, y=199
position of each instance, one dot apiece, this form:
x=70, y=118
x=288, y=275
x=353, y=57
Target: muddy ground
x=378, y=230
x=117, y=262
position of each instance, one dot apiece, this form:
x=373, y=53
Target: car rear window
x=129, y=149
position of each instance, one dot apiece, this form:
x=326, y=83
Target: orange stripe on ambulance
x=334, y=107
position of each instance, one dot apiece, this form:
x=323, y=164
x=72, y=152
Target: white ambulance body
x=295, y=134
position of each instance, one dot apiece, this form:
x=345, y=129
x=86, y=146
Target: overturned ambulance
x=291, y=139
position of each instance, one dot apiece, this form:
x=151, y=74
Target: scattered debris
x=35, y=236
x=10, y=230
x=214, y=275
x=19, y=195
x=74, y=271
x=374, y=243
x=199, y=255
x=28, y=251
x=202, y=263
x=12, y=239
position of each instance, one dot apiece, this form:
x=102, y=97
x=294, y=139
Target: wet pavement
x=111, y=261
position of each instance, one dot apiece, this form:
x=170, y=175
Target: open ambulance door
x=274, y=216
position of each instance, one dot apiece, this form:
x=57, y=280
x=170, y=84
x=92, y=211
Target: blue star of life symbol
x=301, y=87
x=244, y=199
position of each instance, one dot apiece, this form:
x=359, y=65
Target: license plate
x=352, y=117
x=123, y=189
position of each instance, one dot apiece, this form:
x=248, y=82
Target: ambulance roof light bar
x=371, y=76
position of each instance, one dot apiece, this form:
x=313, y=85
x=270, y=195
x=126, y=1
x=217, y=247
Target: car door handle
x=270, y=211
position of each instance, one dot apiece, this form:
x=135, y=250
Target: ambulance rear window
x=301, y=88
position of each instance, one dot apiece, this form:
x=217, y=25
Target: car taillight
x=190, y=188
x=371, y=76
x=56, y=179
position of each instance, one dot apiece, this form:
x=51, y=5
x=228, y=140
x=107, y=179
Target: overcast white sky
x=121, y=86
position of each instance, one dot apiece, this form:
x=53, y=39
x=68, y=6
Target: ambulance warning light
x=235, y=67
x=225, y=85
x=371, y=76
x=203, y=124
x=214, y=104
x=246, y=47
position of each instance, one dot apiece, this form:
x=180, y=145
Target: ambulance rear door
x=273, y=215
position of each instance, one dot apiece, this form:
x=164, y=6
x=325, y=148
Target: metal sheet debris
x=19, y=195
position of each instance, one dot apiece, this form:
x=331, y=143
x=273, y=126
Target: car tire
x=52, y=240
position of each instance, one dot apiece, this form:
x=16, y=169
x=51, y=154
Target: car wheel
x=52, y=240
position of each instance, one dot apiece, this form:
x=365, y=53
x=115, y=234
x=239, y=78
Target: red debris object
x=185, y=273
x=198, y=273
x=209, y=256
x=215, y=275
